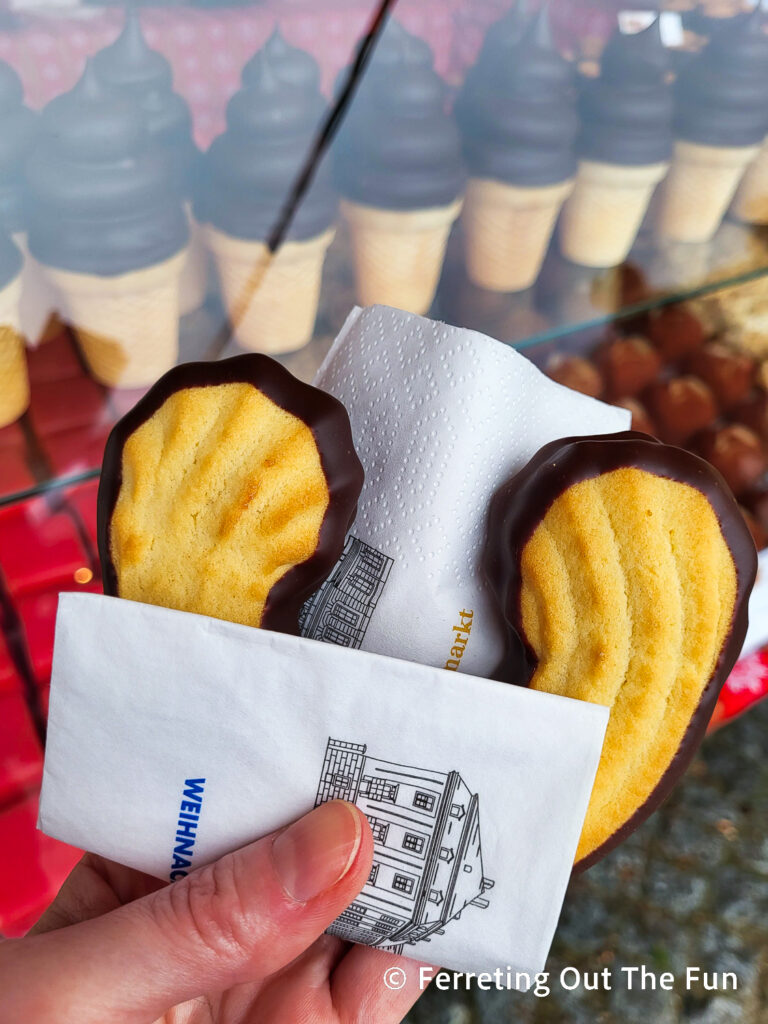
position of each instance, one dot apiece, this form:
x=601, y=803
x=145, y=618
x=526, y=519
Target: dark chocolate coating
x=249, y=169
x=398, y=148
x=130, y=69
x=519, y=506
x=720, y=97
x=290, y=64
x=517, y=111
x=103, y=195
x=18, y=129
x=10, y=260
x=322, y=413
x=626, y=113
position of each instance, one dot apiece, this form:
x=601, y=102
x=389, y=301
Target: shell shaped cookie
x=623, y=567
x=228, y=491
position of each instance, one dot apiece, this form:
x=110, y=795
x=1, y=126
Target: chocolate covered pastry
x=623, y=567
x=680, y=407
x=728, y=372
x=228, y=491
x=628, y=365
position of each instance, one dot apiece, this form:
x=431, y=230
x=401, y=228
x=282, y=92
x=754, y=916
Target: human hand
x=239, y=941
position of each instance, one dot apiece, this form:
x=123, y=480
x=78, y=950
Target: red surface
x=38, y=614
x=53, y=360
x=746, y=685
x=38, y=549
x=15, y=474
x=32, y=867
x=61, y=405
x=9, y=677
x=82, y=500
x=77, y=450
x=21, y=756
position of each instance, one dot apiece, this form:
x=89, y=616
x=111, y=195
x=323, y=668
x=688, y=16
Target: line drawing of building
x=341, y=609
x=427, y=862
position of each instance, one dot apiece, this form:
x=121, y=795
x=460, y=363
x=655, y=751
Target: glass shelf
x=570, y=310
x=56, y=444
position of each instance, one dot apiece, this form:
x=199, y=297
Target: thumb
x=239, y=919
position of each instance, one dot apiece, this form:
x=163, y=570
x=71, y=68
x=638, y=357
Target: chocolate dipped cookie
x=623, y=566
x=228, y=491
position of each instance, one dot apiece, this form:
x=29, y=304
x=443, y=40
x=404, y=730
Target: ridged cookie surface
x=228, y=492
x=623, y=566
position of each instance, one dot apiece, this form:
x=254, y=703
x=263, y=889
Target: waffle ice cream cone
x=750, y=204
x=271, y=298
x=601, y=218
x=38, y=304
x=398, y=254
x=700, y=185
x=127, y=325
x=507, y=229
x=193, y=285
x=14, y=379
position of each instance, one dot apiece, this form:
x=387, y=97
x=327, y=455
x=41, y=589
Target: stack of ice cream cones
x=109, y=229
x=721, y=120
x=507, y=229
x=699, y=188
x=750, y=204
x=271, y=297
x=624, y=148
x=130, y=70
x=126, y=324
x=399, y=170
x=398, y=254
x=521, y=162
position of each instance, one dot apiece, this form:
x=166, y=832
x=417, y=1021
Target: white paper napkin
x=475, y=790
x=441, y=417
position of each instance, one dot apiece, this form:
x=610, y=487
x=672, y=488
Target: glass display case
x=585, y=183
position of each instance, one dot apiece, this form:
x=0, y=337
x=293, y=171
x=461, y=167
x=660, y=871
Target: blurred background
x=583, y=181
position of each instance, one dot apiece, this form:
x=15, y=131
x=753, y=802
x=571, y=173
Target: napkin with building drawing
x=475, y=790
x=441, y=417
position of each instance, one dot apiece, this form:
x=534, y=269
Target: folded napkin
x=441, y=417
x=475, y=790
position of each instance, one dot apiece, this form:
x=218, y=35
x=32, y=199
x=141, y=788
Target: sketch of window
x=435, y=896
x=384, y=925
x=345, y=615
x=424, y=801
x=342, y=780
x=373, y=874
x=457, y=811
x=379, y=830
x=413, y=842
x=446, y=853
x=335, y=636
x=403, y=883
x=340, y=611
x=353, y=914
x=378, y=789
